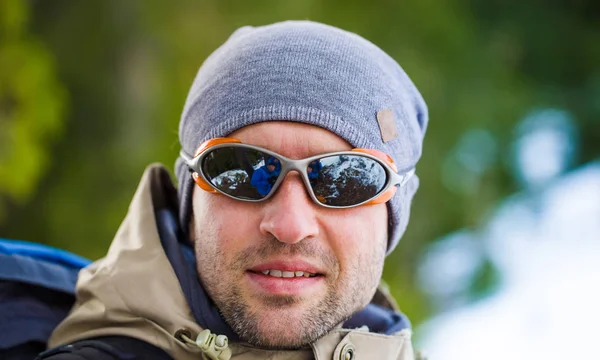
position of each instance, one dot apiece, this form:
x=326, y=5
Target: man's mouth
x=287, y=277
x=288, y=274
x=287, y=269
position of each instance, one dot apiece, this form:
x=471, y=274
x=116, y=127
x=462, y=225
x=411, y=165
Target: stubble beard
x=257, y=326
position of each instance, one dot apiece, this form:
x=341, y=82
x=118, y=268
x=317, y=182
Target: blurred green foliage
x=32, y=104
x=91, y=92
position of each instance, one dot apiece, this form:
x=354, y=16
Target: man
x=215, y=270
x=265, y=176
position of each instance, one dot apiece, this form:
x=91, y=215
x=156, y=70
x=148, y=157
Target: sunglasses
x=341, y=179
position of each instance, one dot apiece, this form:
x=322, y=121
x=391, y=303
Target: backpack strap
x=37, y=286
x=40, y=265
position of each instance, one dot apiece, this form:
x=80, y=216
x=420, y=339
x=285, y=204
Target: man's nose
x=290, y=215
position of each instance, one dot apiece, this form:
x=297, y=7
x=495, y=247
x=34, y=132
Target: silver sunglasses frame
x=300, y=166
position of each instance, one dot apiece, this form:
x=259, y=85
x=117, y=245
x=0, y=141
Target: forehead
x=294, y=140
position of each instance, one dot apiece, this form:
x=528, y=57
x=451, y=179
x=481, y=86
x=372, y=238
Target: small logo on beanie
x=387, y=125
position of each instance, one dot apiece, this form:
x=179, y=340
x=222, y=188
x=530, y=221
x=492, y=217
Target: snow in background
x=545, y=243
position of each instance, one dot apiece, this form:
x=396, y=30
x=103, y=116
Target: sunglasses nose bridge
x=294, y=165
x=298, y=166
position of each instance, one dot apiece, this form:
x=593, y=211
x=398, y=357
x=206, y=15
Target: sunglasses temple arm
x=402, y=179
x=188, y=160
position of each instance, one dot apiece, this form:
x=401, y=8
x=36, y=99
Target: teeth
x=275, y=273
x=287, y=274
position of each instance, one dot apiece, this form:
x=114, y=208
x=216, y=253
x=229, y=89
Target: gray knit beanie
x=309, y=73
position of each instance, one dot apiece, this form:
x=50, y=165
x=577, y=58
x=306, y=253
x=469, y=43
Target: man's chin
x=281, y=339
x=285, y=328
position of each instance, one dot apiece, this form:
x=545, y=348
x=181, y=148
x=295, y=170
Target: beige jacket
x=133, y=291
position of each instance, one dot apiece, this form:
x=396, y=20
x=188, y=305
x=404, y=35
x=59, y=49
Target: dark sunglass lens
x=345, y=180
x=241, y=172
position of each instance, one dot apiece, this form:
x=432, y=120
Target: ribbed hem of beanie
x=357, y=137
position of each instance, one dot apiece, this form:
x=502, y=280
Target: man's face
x=236, y=242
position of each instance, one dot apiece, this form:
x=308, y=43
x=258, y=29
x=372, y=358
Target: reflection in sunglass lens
x=345, y=180
x=241, y=172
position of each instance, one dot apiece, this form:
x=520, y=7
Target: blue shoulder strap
x=40, y=265
x=37, y=288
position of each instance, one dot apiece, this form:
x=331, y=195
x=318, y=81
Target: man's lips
x=291, y=266
x=285, y=278
x=295, y=286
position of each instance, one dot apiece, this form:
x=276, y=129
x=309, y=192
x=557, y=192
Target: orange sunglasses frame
x=382, y=198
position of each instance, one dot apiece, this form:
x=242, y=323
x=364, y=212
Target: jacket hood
x=147, y=287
